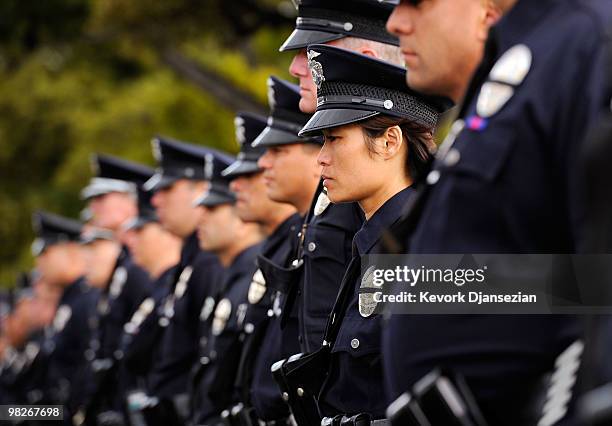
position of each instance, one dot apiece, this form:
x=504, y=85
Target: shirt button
x=433, y=177
x=452, y=157
x=312, y=246
x=355, y=343
x=204, y=360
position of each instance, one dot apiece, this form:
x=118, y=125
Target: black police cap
x=218, y=190
x=352, y=87
x=113, y=174
x=320, y=21
x=176, y=160
x=248, y=127
x=146, y=211
x=285, y=119
x=53, y=229
x=90, y=235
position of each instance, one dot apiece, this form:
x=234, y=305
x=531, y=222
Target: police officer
x=291, y=176
x=381, y=132
x=179, y=180
x=329, y=230
x=111, y=197
x=236, y=243
x=157, y=251
x=280, y=223
x=504, y=182
x=59, y=259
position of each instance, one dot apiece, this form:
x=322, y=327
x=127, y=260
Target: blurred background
x=84, y=76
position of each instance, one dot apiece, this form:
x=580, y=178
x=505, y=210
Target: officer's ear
x=491, y=13
x=392, y=141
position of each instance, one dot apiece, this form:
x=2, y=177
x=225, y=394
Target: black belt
x=358, y=420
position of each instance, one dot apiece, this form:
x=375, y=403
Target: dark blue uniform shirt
x=509, y=184
x=142, y=334
x=326, y=253
x=221, y=346
x=274, y=343
x=355, y=379
x=197, y=277
x=65, y=345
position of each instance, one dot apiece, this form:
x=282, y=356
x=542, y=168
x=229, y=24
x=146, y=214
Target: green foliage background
x=84, y=76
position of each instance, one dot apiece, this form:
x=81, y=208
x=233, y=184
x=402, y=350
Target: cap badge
x=240, y=130
x=315, y=68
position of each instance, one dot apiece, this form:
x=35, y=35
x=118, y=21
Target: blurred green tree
x=84, y=76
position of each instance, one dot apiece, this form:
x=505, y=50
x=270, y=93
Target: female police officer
x=378, y=135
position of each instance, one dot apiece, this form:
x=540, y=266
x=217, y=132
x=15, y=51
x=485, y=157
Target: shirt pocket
x=480, y=155
x=326, y=256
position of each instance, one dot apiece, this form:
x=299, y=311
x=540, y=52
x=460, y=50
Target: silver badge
x=156, y=150
x=143, y=311
x=222, y=314
x=367, y=304
x=322, y=203
x=241, y=312
x=181, y=285
x=513, y=66
x=492, y=98
x=315, y=68
x=240, y=130
x=271, y=94
x=257, y=289
x=62, y=315
x=209, y=167
x=119, y=278
x=207, y=308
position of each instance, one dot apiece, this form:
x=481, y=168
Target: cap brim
x=241, y=167
x=271, y=136
x=137, y=223
x=213, y=198
x=300, y=39
x=328, y=118
x=158, y=182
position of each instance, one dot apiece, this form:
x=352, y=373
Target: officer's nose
x=399, y=22
x=265, y=162
x=156, y=199
x=299, y=65
x=236, y=184
x=324, y=158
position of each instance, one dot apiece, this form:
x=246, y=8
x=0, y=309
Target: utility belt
x=362, y=419
x=300, y=379
x=241, y=415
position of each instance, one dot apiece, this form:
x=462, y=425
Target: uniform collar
x=75, y=287
x=281, y=233
x=369, y=234
x=191, y=247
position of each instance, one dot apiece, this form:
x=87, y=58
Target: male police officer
x=291, y=176
x=111, y=197
x=504, y=182
x=179, y=180
x=158, y=252
x=237, y=244
x=59, y=258
x=280, y=223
